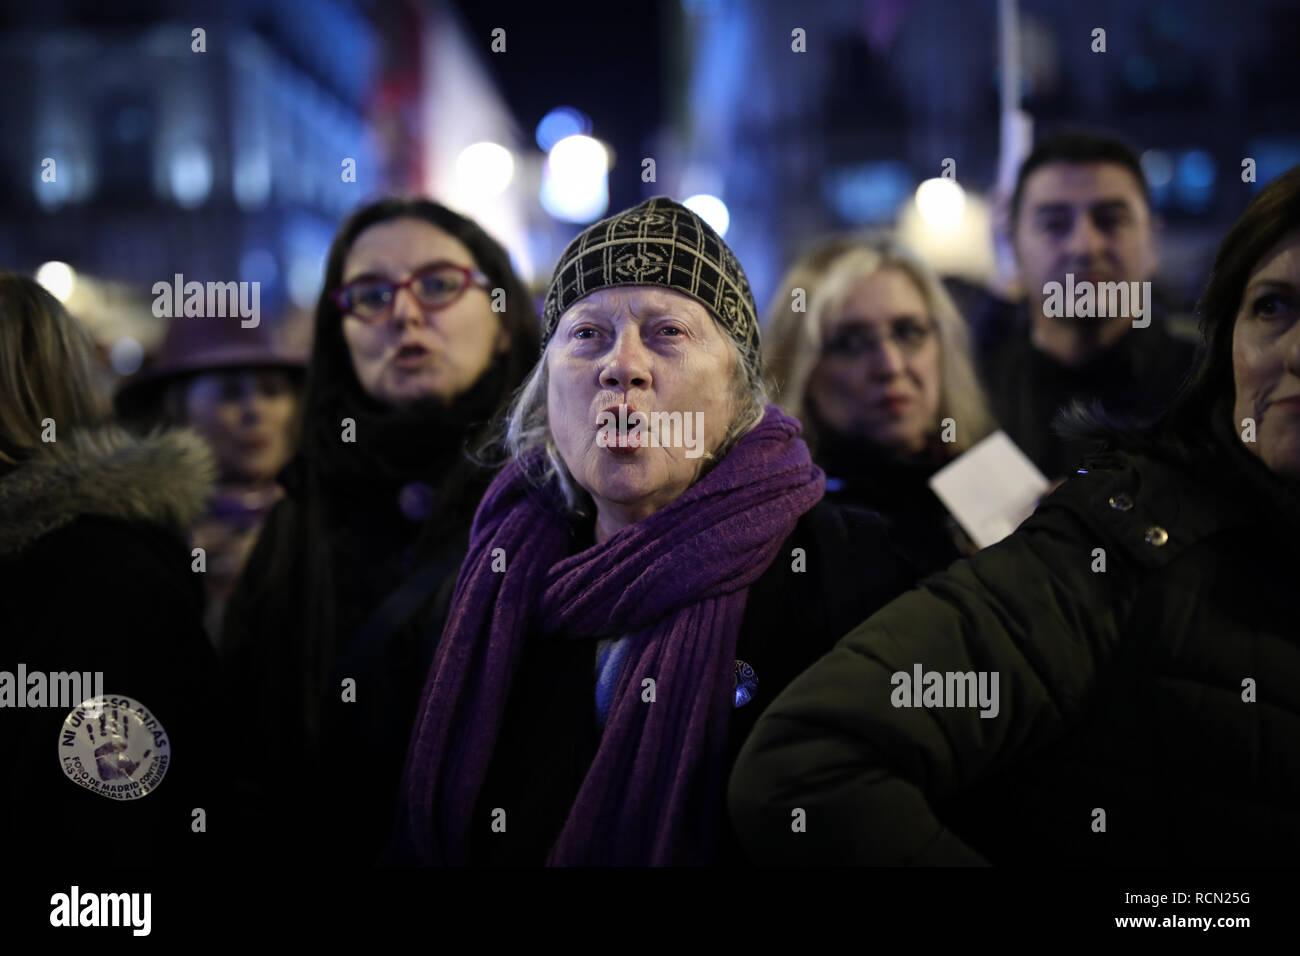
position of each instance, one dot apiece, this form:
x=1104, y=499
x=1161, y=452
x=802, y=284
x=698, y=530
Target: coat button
x=1121, y=502
x=1157, y=536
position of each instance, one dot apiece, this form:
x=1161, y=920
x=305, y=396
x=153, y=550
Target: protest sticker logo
x=115, y=747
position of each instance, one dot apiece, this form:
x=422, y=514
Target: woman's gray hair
x=527, y=428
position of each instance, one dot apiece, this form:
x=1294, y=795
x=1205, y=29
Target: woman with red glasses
x=422, y=333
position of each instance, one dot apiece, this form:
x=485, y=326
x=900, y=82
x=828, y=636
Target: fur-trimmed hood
x=164, y=479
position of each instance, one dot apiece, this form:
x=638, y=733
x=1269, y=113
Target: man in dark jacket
x=1081, y=227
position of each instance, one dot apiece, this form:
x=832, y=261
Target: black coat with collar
x=1142, y=624
x=1137, y=377
x=95, y=576
x=836, y=568
x=897, y=487
x=321, y=776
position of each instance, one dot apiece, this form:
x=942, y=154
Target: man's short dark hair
x=1077, y=146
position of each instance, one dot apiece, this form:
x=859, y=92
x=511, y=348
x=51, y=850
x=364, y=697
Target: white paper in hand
x=990, y=489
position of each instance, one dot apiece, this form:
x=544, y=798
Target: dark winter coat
x=354, y=532
x=897, y=487
x=1142, y=623
x=95, y=576
x=795, y=612
x=1136, y=377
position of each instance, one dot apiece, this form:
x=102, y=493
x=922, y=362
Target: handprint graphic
x=110, y=736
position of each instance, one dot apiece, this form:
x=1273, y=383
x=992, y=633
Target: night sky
x=606, y=59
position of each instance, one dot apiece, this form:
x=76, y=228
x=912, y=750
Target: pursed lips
x=614, y=410
x=629, y=440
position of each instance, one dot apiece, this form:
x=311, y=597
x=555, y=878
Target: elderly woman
x=1116, y=682
x=423, y=331
x=632, y=598
x=878, y=368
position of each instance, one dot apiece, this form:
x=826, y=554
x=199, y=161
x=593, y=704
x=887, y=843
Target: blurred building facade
x=225, y=142
x=221, y=164
x=839, y=136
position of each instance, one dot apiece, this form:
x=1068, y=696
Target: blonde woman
x=878, y=368
x=97, y=582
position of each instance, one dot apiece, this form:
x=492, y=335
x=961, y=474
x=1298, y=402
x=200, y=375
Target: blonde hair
x=793, y=339
x=47, y=368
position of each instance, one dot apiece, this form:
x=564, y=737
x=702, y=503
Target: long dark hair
x=332, y=389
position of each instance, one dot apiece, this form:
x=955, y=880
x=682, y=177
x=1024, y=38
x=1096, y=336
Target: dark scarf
x=393, y=447
x=862, y=474
x=348, y=512
x=880, y=478
x=678, y=581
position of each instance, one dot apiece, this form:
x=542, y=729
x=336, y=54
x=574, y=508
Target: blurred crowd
x=397, y=602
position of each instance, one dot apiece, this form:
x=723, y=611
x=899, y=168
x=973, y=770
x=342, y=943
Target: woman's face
x=878, y=377
x=1266, y=357
x=246, y=416
x=652, y=350
x=415, y=353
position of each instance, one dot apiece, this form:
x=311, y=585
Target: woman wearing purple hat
x=422, y=333
x=238, y=388
x=652, y=565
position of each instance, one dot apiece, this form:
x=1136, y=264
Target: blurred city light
x=958, y=248
x=484, y=169
x=126, y=355
x=306, y=272
x=574, y=182
x=559, y=123
x=58, y=191
x=190, y=175
x=940, y=202
x=252, y=179
x=1157, y=167
x=711, y=209
x=1194, y=180
x=259, y=265
x=868, y=192
x=58, y=278
x=1196, y=169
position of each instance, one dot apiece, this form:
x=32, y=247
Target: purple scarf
x=678, y=581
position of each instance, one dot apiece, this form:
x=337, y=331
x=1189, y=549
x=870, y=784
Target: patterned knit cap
x=660, y=242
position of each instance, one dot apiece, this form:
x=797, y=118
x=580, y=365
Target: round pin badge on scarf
x=745, y=682
x=115, y=747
